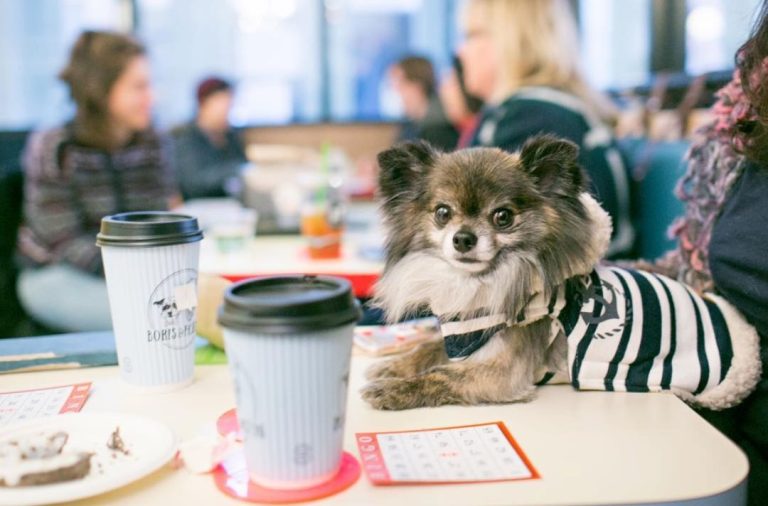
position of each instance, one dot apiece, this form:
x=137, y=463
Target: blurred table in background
x=361, y=261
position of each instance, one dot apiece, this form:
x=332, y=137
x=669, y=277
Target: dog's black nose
x=464, y=241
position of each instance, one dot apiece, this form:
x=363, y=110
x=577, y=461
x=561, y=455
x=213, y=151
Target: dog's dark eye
x=502, y=218
x=442, y=215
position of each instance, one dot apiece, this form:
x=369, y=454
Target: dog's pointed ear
x=553, y=163
x=404, y=166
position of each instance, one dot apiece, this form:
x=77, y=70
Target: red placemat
x=362, y=284
x=231, y=477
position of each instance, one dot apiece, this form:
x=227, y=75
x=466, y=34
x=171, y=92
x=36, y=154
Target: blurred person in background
x=413, y=78
x=108, y=159
x=208, y=152
x=461, y=107
x=521, y=57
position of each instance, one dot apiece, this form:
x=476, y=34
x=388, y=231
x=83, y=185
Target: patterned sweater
x=69, y=187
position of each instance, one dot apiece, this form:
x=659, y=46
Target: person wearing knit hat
x=208, y=151
x=210, y=86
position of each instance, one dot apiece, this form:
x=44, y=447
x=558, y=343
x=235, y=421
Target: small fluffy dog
x=496, y=244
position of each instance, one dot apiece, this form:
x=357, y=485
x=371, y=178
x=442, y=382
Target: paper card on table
x=29, y=404
x=465, y=454
x=385, y=339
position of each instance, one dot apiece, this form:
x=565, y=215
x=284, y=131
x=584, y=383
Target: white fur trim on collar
x=746, y=367
x=602, y=229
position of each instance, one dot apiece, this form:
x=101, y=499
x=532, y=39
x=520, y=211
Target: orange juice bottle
x=322, y=217
x=322, y=226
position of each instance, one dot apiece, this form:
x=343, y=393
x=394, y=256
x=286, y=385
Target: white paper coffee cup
x=289, y=342
x=150, y=265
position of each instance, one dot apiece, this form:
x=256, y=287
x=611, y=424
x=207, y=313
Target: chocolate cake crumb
x=116, y=442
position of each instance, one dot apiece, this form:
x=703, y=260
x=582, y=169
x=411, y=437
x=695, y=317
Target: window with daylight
x=304, y=61
x=714, y=31
x=35, y=37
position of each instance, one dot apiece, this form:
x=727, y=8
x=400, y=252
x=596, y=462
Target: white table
x=267, y=255
x=277, y=255
x=589, y=447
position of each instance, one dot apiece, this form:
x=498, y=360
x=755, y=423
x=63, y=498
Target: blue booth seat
x=11, y=189
x=655, y=169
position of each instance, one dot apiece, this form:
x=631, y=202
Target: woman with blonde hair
x=522, y=58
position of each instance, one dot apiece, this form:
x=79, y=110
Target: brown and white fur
x=480, y=228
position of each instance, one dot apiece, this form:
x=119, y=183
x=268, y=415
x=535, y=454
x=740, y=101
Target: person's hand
x=175, y=201
x=210, y=290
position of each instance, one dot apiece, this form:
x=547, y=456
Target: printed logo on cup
x=303, y=454
x=338, y=420
x=171, y=310
x=246, y=396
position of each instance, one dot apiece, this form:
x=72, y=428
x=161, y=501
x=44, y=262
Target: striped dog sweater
x=635, y=331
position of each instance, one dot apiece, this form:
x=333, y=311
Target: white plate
x=150, y=444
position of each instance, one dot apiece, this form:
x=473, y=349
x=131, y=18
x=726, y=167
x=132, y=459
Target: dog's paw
x=381, y=370
x=391, y=394
x=526, y=394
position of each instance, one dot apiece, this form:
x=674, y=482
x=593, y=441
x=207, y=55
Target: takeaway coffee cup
x=150, y=265
x=289, y=341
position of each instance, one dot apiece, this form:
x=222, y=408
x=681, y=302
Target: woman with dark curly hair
x=108, y=159
x=723, y=237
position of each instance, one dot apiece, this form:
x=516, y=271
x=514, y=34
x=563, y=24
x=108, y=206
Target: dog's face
x=476, y=207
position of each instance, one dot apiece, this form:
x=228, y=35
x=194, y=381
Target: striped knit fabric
x=464, y=336
x=635, y=331
x=70, y=187
x=639, y=332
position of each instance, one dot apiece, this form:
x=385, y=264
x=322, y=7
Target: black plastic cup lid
x=289, y=304
x=147, y=229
